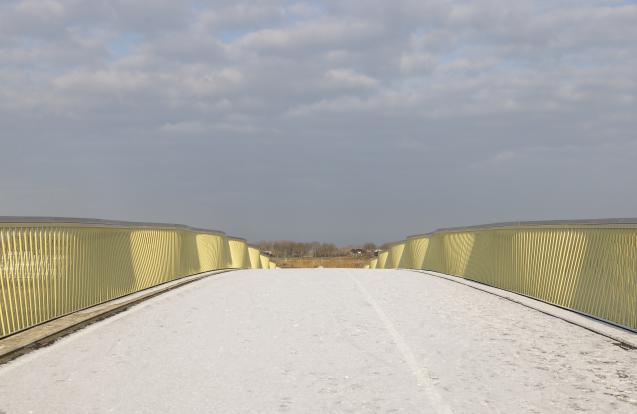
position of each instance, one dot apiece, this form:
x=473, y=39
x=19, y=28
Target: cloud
x=345, y=78
x=320, y=34
x=415, y=63
x=213, y=105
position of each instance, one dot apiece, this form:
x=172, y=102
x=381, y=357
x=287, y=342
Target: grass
x=312, y=262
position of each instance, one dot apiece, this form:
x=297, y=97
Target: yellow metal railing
x=394, y=255
x=52, y=267
x=589, y=267
x=254, y=256
x=239, y=255
x=265, y=261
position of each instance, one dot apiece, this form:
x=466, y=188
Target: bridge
x=400, y=336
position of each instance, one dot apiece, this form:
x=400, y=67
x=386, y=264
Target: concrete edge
x=625, y=338
x=44, y=334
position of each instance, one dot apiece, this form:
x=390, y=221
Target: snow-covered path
x=325, y=340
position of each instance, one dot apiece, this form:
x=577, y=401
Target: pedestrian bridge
x=300, y=340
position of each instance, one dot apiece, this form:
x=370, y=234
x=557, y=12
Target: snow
x=325, y=340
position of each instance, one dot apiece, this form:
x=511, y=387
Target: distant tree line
x=287, y=248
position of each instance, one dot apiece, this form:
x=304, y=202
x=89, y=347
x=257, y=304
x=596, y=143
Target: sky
x=340, y=121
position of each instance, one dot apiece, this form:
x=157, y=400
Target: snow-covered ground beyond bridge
x=325, y=340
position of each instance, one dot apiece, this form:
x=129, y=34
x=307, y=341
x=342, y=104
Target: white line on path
x=422, y=376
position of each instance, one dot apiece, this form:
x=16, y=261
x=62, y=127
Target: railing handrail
x=102, y=223
x=538, y=223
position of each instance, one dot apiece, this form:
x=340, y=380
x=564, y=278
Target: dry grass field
x=311, y=262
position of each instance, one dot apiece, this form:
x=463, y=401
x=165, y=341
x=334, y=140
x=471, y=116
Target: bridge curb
x=625, y=337
x=44, y=334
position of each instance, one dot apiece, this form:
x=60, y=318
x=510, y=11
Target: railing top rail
x=236, y=238
x=583, y=222
x=97, y=222
x=392, y=244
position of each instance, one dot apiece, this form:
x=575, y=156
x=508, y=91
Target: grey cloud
x=342, y=120
x=322, y=34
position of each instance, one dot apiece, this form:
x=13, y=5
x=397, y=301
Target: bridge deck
x=325, y=341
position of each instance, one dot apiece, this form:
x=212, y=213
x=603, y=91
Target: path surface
x=325, y=340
